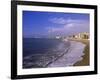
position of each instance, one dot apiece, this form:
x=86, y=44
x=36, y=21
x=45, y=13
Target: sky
x=43, y=24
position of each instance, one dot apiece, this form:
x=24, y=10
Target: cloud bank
x=68, y=26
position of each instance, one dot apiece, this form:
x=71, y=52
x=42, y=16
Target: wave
x=74, y=54
x=39, y=60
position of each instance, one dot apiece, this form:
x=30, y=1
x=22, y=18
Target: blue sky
x=52, y=23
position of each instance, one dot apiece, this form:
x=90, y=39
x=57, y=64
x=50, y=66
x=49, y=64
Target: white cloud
x=69, y=26
x=53, y=29
x=58, y=20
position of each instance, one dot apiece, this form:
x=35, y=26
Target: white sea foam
x=74, y=55
x=43, y=60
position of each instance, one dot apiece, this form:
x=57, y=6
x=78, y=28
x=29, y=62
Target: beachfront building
x=83, y=35
x=58, y=37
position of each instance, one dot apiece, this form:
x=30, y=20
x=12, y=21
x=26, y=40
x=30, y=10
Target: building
x=83, y=35
x=57, y=37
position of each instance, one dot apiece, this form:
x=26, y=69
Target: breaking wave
x=39, y=60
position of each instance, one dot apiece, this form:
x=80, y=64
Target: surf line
x=66, y=51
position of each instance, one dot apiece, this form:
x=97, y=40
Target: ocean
x=40, y=52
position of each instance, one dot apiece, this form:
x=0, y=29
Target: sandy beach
x=85, y=60
x=69, y=53
x=73, y=55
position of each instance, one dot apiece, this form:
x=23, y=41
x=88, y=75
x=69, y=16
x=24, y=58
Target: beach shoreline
x=86, y=58
x=43, y=60
x=73, y=55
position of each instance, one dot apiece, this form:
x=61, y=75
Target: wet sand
x=85, y=61
x=73, y=55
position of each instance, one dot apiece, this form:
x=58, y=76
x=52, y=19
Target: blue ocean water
x=39, y=52
x=38, y=45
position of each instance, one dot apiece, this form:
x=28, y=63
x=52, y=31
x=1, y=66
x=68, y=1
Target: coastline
x=73, y=55
x=43, y=60
x=85, y=60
